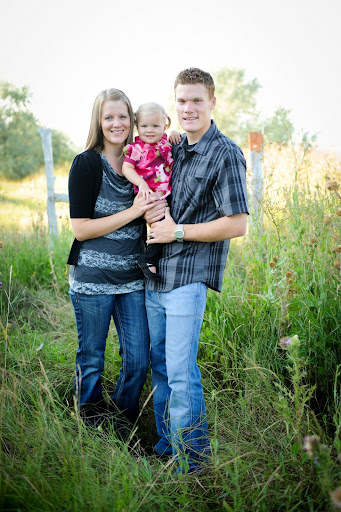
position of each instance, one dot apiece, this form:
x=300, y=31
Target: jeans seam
x=80, y=355
x=195, y=315
x=124, y=355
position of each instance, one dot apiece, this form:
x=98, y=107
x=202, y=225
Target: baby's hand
x=144, y=189
x=174, y=137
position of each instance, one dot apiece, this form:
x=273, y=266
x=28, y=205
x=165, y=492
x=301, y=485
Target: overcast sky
x=67, y=51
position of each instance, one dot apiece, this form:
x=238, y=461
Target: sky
x=67, y=51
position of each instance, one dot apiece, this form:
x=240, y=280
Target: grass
x=262, y=400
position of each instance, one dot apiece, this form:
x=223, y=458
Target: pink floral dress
x=153, y=162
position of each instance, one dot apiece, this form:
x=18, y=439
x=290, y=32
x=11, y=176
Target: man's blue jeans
x=174, y=320
x=93, y=316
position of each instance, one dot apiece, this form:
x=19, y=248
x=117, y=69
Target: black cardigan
x=85, y=181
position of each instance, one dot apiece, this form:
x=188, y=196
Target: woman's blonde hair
x=95, y=137
x=151, y=108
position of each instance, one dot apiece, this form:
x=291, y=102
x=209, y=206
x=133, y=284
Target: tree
x=279, y=128
x=21, y=151
x=62, y=148
x=20, y=148
x=236, y=111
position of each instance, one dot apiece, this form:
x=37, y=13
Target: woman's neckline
x=115, y=163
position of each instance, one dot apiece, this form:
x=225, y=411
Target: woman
x=105, y=280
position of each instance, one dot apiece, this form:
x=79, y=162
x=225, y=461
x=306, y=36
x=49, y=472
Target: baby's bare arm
x=129, y=172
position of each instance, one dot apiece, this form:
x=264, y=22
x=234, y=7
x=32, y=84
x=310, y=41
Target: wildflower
x=313, y=240
x=275, y=259
x=285, y=342
x=1, y=244
x=295, y=342
x=288, y=274
x=338, y=212
x=335, y=497
x=332, y=185
x=337, y=263
x=310, y=444
x=327, y=219
x=289, y=342
x=272, y=264
x=338, y=248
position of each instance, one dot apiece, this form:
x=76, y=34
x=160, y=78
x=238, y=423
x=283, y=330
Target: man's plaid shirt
x=208, y=182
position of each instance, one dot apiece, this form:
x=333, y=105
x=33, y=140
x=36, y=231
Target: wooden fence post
x=46, y=137
x=45, y=134
x=256, y=157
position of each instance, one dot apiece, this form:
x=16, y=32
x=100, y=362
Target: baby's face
x=151, y=127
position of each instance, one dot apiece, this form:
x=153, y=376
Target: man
x=208, y=208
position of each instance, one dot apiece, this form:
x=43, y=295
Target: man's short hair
x=195, y=76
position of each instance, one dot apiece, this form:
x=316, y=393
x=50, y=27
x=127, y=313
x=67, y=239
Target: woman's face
x=115, y=122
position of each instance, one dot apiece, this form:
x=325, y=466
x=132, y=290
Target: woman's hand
x=156, y=211
x=141, y=204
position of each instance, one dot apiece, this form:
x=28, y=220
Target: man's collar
x=201, y=145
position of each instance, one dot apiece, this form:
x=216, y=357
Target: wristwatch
x=179, y=233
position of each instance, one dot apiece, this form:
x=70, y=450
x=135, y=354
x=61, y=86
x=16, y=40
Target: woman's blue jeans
x=93, y=316
x=175, y=320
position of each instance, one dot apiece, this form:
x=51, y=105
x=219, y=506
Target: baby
x=148, y=165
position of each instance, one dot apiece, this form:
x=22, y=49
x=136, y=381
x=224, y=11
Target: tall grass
x=270, y=359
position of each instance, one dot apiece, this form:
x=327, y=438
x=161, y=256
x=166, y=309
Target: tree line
x=236, y=115
x=20, y=143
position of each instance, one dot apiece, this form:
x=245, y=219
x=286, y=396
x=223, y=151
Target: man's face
x=194, y=107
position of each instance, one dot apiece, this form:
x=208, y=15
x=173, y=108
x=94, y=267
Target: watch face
x=179, y=234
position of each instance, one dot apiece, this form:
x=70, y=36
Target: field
x=270, y=357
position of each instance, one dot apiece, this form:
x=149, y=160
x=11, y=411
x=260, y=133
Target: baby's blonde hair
x=151, y=108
